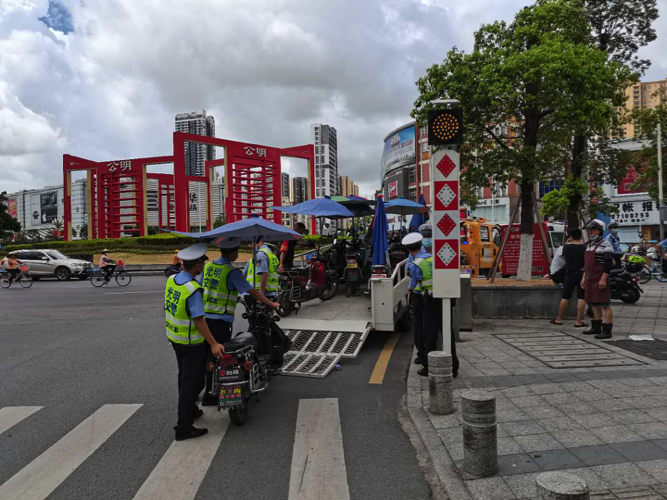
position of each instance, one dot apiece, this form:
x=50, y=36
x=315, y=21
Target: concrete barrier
x=561, y=486
x=519, y=302
x=480, y=433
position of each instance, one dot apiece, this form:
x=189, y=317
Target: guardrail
x=390, y=298
x=302, y=256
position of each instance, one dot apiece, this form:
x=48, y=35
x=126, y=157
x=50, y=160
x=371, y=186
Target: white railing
x=390, y=297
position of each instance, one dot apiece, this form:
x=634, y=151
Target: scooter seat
x=616, y=272
x=240, y=341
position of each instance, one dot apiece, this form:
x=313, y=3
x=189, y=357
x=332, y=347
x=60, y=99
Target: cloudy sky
x=103, y=79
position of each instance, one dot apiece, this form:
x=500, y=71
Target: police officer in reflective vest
x=188, y=333
x=417, y=301
x=422, y=274
x=222, y=284
x=264, y=275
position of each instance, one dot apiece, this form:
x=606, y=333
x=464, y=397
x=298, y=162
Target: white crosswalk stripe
x=318, y=461
x=182, y=469
x=38, y=479
x=12, y=415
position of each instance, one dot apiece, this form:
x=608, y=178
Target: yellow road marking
x=377, y=377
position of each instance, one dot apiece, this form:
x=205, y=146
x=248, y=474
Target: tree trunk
x=525, y=269
x=578, y=152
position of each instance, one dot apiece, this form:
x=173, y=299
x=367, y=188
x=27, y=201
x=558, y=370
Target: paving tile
x=527, y=401
x=522, y=428
x=642, y=402
x=559, y=424
x=576, y=438
x=602, y=454
x=610, y=405
x=560, y=377
x=656, y=414
x=616, y=434
x=444, y=421
x=560, y=399
x=556, y=459
x=515, y=392
x=631, y=416
x=510, y=415
x=651, y=430
x=451, y=435
x=507, y=381
x=522, y=463
x=595, y=420
x=577, y=386
x=546, y=389
x=579, y=408
x=538, y=442
x=490, y=488
x=593, y=480
x=592, y=395
x=455, y=450
x=637, y=451
x=662, y=443
x=532, y=378
x=623, y=475
x=523, y=485
x=508, y=446
x=655, y=468
x=545, y=411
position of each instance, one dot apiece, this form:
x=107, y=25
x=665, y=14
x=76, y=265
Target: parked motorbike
x=299, y=285
x=172, y=270
x=624, y=286
x=352, y=274
x=250, y=361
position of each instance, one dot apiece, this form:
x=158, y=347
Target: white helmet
x=635, y=249
x=596, y=224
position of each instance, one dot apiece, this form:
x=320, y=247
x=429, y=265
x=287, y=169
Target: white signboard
x=635, y=213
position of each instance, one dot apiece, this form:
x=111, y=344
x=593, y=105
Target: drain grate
x=560, y=350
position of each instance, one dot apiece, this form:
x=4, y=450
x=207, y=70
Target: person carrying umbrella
x=222, y=284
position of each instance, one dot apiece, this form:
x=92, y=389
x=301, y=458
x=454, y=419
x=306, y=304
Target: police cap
x=413, y=240
x=228, y=243
x=194, y=253
x=426, y=230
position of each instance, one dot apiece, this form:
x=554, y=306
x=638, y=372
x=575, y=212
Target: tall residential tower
x=198, y=123
x=326, y=159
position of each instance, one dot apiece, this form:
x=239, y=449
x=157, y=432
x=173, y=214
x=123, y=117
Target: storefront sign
x=634, y=213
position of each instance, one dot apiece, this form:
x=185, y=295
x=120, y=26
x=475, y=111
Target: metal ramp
x=318, y=344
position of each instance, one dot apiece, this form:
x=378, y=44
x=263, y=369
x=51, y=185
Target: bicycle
x=23, y=277
x=123, y=278
x=658, y=272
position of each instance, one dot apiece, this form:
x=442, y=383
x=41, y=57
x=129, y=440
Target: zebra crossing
x=318, y=468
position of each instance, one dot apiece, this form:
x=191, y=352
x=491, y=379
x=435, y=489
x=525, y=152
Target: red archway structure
x=116, y=190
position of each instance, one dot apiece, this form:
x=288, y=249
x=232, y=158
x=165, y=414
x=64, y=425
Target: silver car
x=47, y=263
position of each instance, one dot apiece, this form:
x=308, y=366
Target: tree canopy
x=8, y=224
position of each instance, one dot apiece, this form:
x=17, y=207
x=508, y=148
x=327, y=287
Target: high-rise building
x=284, y=185
x=326, y=159
x=198, y=123
x=299, y=189
x=643, y=95
x=348, y=187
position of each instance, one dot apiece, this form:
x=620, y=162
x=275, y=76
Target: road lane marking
x=377, y=377
x=318, y=461
x=125, y=293
x=43, y=475
x=181, y=470
x=12, y=415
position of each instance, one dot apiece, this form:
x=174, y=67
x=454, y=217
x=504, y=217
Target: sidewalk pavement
x=565, y=401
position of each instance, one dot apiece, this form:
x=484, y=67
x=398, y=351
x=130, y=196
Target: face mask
x=614, y=232
x=427, y=242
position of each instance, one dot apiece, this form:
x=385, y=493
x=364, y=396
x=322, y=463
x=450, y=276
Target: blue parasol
x=246, y=230
x=380, y=230
x=319, y=207
x=418, y=219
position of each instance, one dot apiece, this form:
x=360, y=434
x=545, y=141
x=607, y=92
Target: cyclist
x=12, y=266
x=107, y=265
x=176, y=262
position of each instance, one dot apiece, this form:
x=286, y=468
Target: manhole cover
x=654, y=349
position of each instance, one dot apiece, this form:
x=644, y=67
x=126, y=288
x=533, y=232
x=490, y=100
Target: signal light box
x=445, y=126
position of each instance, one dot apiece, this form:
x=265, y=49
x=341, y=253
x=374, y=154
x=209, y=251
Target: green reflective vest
x=426, y=266
x=180, y=327
x=273, y=285
x=218, y=298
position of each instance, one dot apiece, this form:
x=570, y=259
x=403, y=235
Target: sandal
x=582, y=325
x=554, y=322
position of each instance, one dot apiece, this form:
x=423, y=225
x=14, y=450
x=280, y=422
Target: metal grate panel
x=299, y=364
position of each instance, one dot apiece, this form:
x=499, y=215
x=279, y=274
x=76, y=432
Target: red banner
x=510, y=258
x=625, y=187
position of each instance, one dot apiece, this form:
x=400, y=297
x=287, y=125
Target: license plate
x=229, y=373
x=230, y=395
x=352, y=265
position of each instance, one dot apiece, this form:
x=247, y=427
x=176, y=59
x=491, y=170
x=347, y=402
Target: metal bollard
x=480, y=433
x=561, y=486
x=440, y=390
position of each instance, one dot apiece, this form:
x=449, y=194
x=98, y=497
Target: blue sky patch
x=58, y=17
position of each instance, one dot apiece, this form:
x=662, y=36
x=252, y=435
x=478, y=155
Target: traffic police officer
x=264, y=277
x=187, y=331
x=615, y=241
x=222, y=284
x=417, y=304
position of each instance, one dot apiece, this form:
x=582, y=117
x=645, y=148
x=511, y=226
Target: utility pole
x=661, y=198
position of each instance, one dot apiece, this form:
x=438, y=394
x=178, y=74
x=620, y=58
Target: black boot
x=596, y=327
x=606, y=332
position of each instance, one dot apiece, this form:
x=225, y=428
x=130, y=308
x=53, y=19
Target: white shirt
x=558, y=262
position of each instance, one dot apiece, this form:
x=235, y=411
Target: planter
x=532, y=301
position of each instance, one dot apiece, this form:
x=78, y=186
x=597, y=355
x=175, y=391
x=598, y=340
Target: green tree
x=523, y=89
x=619, y=28
x=8, y=224
x=83, y=232
x=219, y=221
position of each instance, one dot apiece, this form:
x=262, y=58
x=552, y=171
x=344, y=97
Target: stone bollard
x=480, y=433
x=440, y=390
x=561, y=486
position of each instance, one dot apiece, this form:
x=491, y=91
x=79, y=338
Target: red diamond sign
x=446, y=254
x=446, y=224
x=446, y=195
x=446, y=166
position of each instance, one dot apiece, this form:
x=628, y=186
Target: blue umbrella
x=380, y=230
x=319, y=207
x=246, y=230
x=418, y=219
x=405, y=207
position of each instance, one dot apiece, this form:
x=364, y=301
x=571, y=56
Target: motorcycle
x=624, y=286
x=171, y=270
x=250, y=361
x=299, y=285
x=352, y=273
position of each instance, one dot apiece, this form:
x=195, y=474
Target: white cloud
x=265, y=69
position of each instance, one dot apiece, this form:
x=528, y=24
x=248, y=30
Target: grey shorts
x=603, y=305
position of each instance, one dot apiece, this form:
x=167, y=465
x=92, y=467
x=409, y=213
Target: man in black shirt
x=573, y=253
x=287, y=249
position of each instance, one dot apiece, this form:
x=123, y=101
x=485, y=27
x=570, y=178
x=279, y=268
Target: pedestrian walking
x=187, y=331
x=222, y=284
x=598, y=262
x=573, y=254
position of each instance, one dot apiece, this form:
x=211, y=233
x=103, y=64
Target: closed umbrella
x=380, y=229
x=420, y=218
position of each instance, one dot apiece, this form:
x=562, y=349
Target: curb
x=450, y=478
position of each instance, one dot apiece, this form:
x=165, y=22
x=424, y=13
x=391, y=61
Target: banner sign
x=510, y=258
